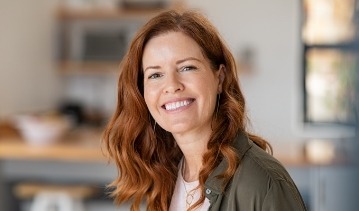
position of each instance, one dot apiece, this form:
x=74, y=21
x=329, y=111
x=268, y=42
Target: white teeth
x=176, y=105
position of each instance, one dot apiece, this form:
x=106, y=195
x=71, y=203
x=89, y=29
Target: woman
x=179, y=136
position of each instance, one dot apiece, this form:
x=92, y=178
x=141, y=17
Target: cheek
x=150, y=97
x=147, y=98
x=210, y=94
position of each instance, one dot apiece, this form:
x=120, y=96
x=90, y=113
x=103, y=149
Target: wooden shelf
x=28, y=190
x=99, y=13
x=105, y=14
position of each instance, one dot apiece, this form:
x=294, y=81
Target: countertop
x=82, y=144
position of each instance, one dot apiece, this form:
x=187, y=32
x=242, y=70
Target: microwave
x=95, y=40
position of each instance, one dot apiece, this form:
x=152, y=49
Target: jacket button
x=208, y=191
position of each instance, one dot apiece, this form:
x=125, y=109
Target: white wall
x=28, y=80
x=274, y=88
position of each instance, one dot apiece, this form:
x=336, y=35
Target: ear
x=221, y=75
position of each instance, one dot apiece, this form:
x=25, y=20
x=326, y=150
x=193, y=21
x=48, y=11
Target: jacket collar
x=215, y=185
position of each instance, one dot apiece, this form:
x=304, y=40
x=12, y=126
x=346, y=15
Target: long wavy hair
x=146, y=155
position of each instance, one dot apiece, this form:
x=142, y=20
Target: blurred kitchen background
x=298, y=68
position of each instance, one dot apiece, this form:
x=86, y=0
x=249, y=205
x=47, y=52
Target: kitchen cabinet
x=70, y=161
x=334, y=188
x=325, y=184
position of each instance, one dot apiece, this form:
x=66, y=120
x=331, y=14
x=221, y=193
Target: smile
x=176, y=105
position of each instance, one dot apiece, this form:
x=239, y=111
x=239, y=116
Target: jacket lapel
x=214, y=186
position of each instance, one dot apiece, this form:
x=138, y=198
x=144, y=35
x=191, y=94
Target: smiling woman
x=179, y=136
x=180, y=88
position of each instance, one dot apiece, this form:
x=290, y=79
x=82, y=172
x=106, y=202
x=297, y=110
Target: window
x=330, y=61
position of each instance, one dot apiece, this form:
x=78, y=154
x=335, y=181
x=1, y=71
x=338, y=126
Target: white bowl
x=41, y=131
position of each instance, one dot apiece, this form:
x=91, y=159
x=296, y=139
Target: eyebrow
x=186, y=59
x=177, y=62
x=151, y=67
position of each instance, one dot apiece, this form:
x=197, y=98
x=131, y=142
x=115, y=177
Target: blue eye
x=154, y=76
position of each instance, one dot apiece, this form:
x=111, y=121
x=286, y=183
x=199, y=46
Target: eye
x=154, y=76
x=188, y=68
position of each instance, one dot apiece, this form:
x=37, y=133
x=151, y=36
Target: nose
x=173, y=84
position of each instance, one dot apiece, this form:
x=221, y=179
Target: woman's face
x=180, y=88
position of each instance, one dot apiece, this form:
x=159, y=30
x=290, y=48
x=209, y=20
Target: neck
x=193, y=148
x=190, y=170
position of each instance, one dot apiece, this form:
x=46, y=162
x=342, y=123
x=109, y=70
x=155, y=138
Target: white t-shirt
x=178, y=201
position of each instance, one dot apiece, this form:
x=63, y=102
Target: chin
x=176, y=130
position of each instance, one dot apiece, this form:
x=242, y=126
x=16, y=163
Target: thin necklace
x=189, y=194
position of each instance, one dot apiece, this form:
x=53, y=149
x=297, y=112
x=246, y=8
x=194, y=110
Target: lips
x=178, y=104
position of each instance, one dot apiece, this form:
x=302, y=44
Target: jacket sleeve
x=283, y=195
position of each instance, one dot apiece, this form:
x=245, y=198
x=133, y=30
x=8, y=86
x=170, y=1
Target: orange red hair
x=147, y=156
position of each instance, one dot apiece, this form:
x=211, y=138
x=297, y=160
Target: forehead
x=171, y=45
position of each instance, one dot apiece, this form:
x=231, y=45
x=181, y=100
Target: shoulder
x=263, y=180
x=257, y=163
x=260, y=182
x=260, y=168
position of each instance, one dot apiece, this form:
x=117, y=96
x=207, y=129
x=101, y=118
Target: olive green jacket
x=260, y=183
